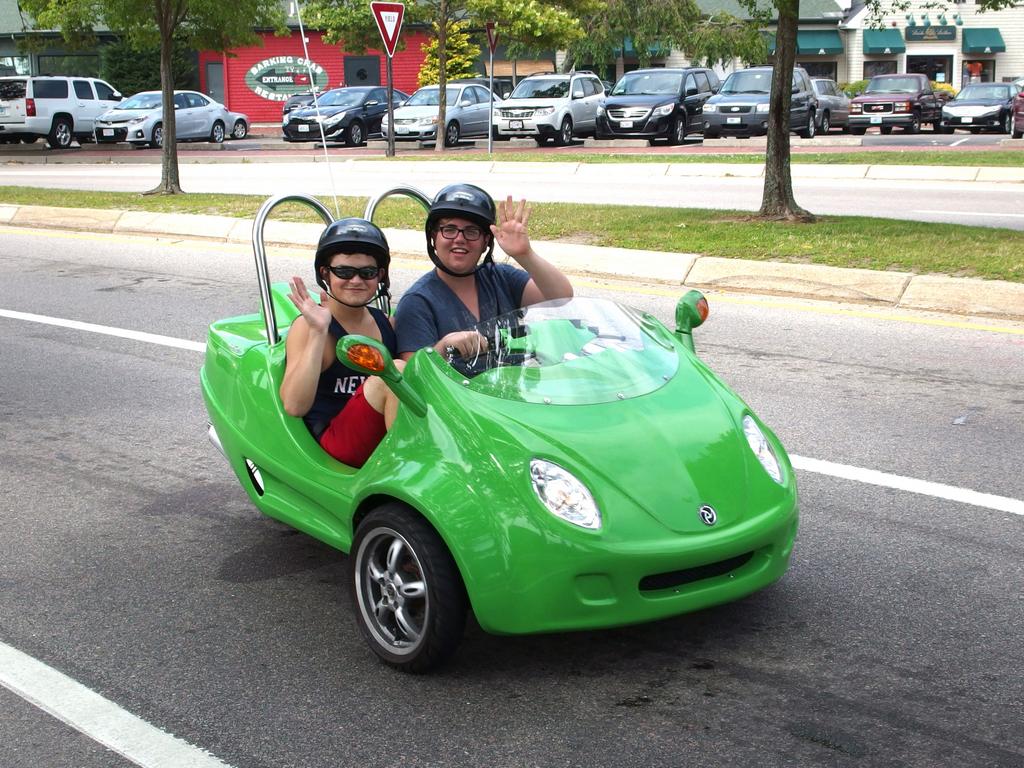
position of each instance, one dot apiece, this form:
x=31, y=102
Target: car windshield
x=141, y=101
x=995, y=92
x=430, y=97
x=893, y=85
x=649, y=84
x=542, y=88
x=571, y=352
x=341, y=99
x=748, y=82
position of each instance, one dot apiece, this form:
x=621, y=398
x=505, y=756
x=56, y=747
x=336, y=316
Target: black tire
x=564, y=137
x=1016, y=130
x=826, y=123
x=810, y=130
x=217, y=133
x=355, y=134
x=711, y=134
x=945, y=129
x=409, y=597
x=677, y=133
x=61, y=134
x=541, y=140
x=858, y=131
x=239, y=130
x=885, y=130
x=451, y=134
x=29, y=139
x=156, y=139
x=915, y=125
x=1006, y=125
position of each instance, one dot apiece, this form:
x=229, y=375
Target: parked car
x=139, y=120
x=740, y=108
x=350, y=114
x=503, y=84
x=833, y=105
x=904, y=101
x=657, y=104
x=467, y=114
x=552, y=107
x=587, y=471
x=1017, y=118
x=296, y=101
x=63, y=109
x=981, y=106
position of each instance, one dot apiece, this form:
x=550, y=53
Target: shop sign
x=279, y=77
x=931, y=34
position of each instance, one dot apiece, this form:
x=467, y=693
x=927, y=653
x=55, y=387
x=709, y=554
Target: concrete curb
x=969, y=296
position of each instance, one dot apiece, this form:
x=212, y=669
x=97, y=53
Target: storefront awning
x=983, y=40
x=884, y=41
x=816, y=42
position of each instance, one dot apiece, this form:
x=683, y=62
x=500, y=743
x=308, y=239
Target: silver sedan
x=139, y=120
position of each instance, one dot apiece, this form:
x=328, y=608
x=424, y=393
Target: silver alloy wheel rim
x=357, y=134
x=566, y=131
x=452, y=134
x=239, y=131
x=63, y=134
x=158, y=135
x=680, y=131
x=825, y=124
x=218, y=133
x=394, y=597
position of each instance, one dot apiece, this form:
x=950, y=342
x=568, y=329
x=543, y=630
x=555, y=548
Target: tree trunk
x=777, y=201
x=169, y=181
x=442, y=75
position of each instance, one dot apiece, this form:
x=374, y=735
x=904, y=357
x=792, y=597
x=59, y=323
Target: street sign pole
x=389, y=23
x=492, y=40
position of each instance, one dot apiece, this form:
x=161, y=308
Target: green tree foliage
x=131, y=70
x=462, y=55
x=198, y=24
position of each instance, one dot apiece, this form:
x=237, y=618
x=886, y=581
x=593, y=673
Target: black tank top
x=339, y=382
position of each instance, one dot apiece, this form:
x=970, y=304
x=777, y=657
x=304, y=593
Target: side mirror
x=796, y=89
x=466, y=103
x=177, y=106
x=506, y=94
x=116, y=95
x=369, y=356
x=691, y=91
x=371, y=103
x=691, y=311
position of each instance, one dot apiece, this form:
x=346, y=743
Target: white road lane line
x=962, y=141
x=913, y=485
x=98, y=718
x=149, y=338
x=968, y=214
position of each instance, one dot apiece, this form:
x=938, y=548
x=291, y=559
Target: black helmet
x=353, y=235
x=466, y=201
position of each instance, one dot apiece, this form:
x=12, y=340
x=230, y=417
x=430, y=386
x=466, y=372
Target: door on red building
x=215, y=80
x=362, y=70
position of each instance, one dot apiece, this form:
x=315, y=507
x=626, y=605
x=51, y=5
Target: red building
x=257, y=79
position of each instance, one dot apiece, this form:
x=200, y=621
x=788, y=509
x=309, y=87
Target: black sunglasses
x=450, y=232
x=347, y=273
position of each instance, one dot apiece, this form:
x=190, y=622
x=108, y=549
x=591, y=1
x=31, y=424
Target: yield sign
x=492, y=36
x=389, y=21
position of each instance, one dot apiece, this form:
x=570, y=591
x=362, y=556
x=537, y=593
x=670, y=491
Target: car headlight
x=136, y=121
x=332, y=119
x=762, y=448
x=664, y=109
x=541, y=111
x=564, y=496
x=761, y=108
x=710, y=107
x=428, y=120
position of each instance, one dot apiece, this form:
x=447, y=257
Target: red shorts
x=354, y=432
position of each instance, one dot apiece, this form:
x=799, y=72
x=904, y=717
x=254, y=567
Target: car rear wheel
x=809, y=131
x=826, y=123
x=217, y=133
x=240, y=130
x=565, y=133
x=410, y=600
x=451, y=134
x=157, y=139
x=678, y=133
x=60, y=135
x=354, y=136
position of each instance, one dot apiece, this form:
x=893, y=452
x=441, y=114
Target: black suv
x=740, y=108
x=657, y=104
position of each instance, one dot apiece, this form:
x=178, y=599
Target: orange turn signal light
x=366, y=357
x=703, y=309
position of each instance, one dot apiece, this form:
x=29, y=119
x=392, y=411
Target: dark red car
x=904, y=101
x=1017, y=118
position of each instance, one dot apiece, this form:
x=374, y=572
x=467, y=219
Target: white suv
x=551, y=106
x=60, y=108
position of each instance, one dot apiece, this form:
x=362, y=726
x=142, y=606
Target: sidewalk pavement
x=938, y=293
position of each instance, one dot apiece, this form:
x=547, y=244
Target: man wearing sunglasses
x=347, y=412
x=466, y=287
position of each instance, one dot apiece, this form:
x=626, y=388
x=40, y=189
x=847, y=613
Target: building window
x=874, y=68
x=820, y=68
x=70, y=66
x=14, y=65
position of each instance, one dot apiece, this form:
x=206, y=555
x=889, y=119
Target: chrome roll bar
x=401, y=189
x=262, y=273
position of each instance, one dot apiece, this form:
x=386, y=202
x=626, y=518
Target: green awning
x=818, y=42
x=884, y=41
x=655, y=49
x=815, y=42
x=983, y=40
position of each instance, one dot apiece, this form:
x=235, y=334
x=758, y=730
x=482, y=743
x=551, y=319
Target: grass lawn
x=842, y=241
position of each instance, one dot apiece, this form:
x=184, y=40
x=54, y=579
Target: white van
x=60, y=108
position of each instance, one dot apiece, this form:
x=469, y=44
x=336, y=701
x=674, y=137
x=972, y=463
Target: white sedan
x=139, y=120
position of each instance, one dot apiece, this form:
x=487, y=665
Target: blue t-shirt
x=430, y=310
x=338, y=383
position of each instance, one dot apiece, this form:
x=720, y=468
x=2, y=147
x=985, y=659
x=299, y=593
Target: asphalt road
x=975, y=203
x=131, y=560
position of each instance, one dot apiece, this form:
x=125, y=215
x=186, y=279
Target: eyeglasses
x=347, y=273
x=450, y=232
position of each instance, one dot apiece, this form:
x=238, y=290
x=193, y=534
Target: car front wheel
x=240, y=130
x=1007, y=127
x=809, y=131
x=915, y=124
x=410, y=600
x=826, y=123
x=60, y=134
x=451, y=134
x=678, y=133
x=354, y=135
x=157, y=139
x=565, y=133
x=1016, y=129
x=217, y=133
